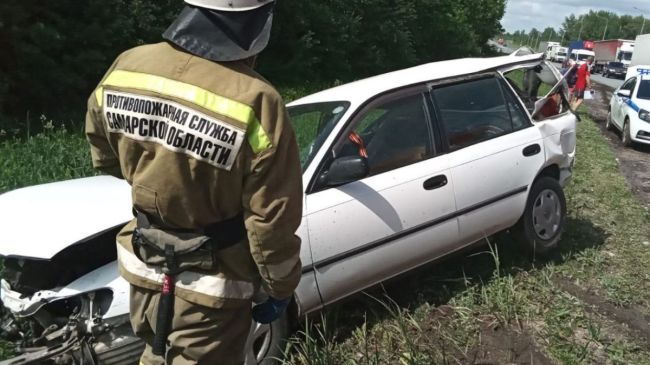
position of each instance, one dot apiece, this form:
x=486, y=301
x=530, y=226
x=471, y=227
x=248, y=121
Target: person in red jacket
x=582, y=83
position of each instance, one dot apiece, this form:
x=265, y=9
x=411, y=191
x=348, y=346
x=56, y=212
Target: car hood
x=40, y=221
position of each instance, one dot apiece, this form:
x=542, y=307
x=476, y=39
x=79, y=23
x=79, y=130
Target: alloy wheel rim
x=547, y=214
x=258, y=343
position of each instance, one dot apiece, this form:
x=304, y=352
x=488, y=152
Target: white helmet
x=229, y=5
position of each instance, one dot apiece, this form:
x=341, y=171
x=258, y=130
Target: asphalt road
x=612, y=83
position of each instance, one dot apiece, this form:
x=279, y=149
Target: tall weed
x=54, y=154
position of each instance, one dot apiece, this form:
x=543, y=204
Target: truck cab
x=560, y=54
x=580, y=55
x=625, y=53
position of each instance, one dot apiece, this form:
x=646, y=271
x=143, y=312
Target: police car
x=629, y=109
x=398, y=170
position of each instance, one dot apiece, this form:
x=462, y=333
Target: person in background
x=583, y=82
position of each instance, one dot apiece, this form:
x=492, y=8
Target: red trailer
x=613, y=50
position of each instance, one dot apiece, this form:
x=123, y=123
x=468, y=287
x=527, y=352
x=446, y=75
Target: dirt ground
x=634, y=319
x=634, y=162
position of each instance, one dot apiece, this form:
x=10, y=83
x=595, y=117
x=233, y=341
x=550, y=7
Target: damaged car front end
x=64, y=302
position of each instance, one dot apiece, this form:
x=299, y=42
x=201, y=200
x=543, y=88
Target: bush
x=54, y=154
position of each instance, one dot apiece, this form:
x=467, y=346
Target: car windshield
x=615, y=64
x=583, y=57
x=561, y=53
x=644, y=90
x=627, y=56
x=312, y=124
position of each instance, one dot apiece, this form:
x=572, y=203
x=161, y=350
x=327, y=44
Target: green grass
x=516, y=77
x=55, y=154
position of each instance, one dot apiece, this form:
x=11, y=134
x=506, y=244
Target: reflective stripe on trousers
x=211, y=285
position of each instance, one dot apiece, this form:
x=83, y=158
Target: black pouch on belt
x=187, y=249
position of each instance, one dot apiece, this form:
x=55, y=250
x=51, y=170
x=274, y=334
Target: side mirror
x=623, y=93
x=346, y=169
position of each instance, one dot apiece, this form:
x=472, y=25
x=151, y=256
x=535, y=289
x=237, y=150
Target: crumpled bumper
x=119, y=346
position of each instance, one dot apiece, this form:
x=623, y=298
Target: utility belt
x=178, y=250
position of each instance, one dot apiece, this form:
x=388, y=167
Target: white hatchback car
x=398, y=169
x=629, y=109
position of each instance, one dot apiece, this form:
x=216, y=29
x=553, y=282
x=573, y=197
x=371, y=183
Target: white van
x=580, y=55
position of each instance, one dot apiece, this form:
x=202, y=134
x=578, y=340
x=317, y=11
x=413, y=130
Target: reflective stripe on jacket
x=201, y=142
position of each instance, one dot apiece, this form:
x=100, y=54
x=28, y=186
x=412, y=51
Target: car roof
x=359, y=91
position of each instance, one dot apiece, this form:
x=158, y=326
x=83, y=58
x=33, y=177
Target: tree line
x=54, y=52
x=595, y=25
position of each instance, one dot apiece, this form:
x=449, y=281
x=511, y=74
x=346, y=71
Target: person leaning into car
x=203, y=140
x=583, y=82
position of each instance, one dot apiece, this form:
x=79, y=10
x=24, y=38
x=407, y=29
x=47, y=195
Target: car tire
x=267, y=346
x=608, y=121
x=540, y=227
x=626, y=138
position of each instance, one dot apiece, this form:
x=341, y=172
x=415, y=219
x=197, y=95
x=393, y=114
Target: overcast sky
x=527, y=14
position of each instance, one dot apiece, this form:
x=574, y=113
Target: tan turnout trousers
x=198, y=336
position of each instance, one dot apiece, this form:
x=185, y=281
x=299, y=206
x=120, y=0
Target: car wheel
x=608, y=121
x=605, y=74
x=540, y=227
x=626, y=138
x=266, y=342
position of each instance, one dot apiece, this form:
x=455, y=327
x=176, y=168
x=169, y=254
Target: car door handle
x=435, y=182
x=532, y=150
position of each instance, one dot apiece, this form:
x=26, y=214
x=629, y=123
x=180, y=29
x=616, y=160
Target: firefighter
x=207, y=147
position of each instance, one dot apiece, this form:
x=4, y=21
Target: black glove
x=270, y=310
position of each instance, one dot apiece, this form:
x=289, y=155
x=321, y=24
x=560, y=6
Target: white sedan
x=399, y=170
x=629, y=109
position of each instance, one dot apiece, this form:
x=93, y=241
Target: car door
x=399, y=216
x=615, y=106
x=494, y=152
x=622, y=102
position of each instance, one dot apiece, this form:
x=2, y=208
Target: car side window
x=629, y=84
x=392, y=134
x=472, y=111
x=517, y=113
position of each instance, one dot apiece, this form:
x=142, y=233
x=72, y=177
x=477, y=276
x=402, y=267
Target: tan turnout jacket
x=201, y=142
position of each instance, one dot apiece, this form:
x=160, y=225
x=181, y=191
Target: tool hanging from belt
x=165, y=304
x=178, y=250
